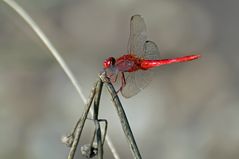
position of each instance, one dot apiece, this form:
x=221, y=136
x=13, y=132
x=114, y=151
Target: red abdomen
x=146, y=64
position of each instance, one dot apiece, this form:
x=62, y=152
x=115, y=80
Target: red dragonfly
x=136, y=67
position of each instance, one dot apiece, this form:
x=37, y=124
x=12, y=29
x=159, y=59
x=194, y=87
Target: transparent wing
x=137, y=36
x=131, y=88
x=151, y=51
x=136, y=81
x=133, y=84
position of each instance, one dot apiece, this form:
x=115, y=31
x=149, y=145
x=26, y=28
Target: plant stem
x=96, y=121
x=80, y=125
x=123, y=119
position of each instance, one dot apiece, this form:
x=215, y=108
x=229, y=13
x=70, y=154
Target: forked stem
x=80, y=125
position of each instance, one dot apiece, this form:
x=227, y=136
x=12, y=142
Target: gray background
x=189, y=111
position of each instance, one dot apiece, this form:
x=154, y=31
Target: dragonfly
x=136, y=68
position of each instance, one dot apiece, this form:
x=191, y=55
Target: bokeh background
x=189, y=111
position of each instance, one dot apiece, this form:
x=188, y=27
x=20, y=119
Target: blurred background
x=189, y=111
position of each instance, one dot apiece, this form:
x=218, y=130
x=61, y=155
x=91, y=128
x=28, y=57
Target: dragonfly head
x=109, y=62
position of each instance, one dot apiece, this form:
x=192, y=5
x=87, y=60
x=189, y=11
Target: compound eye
x=112, y=61
x=109, y=62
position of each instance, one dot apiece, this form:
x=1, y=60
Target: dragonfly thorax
x=128, y=63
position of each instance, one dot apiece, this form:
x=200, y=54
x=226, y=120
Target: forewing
x=137, y=36
x=138, y=80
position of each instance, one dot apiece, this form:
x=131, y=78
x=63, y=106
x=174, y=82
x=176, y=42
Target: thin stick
x=23, y=14
x=78, y=131
x=99, y=140
x=105, y=128
x=95, y=95
x=123, y=119
x=95, y=118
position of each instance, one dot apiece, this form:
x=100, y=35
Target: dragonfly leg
x=123, y=83
x=114, y=79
